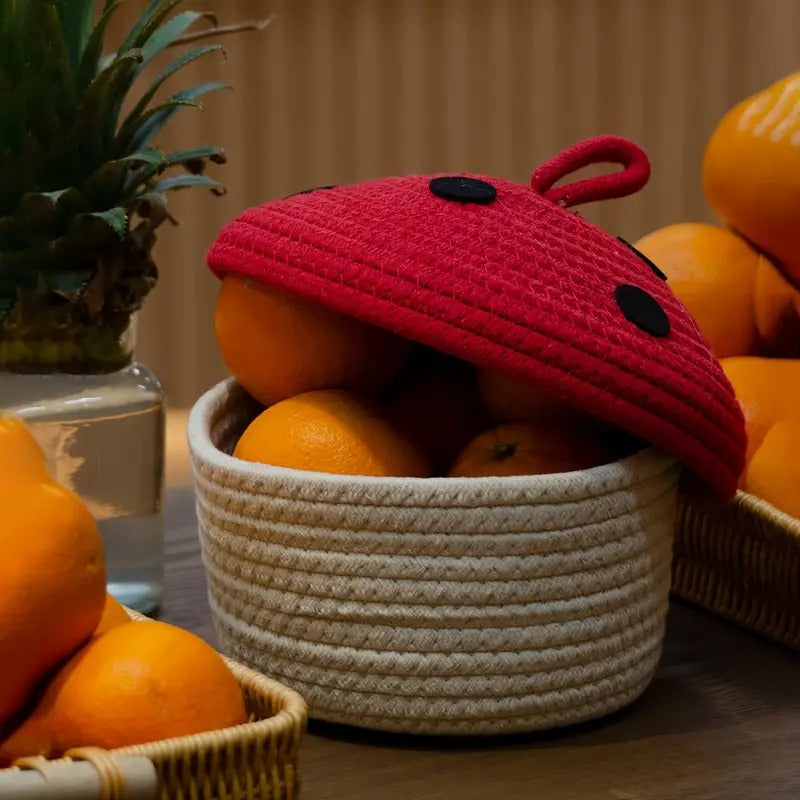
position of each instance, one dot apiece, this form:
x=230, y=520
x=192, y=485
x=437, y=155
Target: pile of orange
x=742, y=282
x=343, y=397
x=76, y=671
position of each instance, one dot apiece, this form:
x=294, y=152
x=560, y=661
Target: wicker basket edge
x=277, y=735
x=741, y=562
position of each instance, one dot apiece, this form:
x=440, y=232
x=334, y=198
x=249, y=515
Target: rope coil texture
x=436, y=606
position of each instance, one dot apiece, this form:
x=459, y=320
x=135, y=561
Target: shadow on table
x=633, y=722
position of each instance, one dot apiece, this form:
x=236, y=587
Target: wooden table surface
x=720, y=720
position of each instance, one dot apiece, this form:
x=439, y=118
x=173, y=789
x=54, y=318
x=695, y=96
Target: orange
x=712, y=272
x=774, y=470
x=750, y=171
x=438, y=409
x=777, y=308
x=137, y=683
x=52, y=582
x=525, y=448
x=507, y=399
x=21, y=457
x=767, y=390
x=278, y=345
x=330, y=431
x=113, y=615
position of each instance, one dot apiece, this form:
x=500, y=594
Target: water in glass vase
x=103, y=435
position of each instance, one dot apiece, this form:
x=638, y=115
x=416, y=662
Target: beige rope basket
x=254, y=761
x=742, y=562
x=436, y=606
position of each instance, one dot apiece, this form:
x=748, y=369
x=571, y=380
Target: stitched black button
x=463, y=190
x=642, y=310
x=644, y=258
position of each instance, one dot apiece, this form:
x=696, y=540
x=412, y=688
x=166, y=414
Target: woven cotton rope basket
x=439, y=606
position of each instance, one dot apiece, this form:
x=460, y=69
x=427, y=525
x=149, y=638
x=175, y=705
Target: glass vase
x=99, y=416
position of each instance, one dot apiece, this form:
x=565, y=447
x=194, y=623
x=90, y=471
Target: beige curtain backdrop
x=338, y=91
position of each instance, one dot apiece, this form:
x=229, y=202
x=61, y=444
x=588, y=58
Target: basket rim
x=763, y=508
x=203, y=449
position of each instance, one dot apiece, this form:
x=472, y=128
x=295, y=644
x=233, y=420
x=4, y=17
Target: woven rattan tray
x=740, y=561
x=254, y=761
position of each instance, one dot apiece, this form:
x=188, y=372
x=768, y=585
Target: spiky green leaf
x=103, y=100
x=107, y=183
x=167, y=73
x=150, y=155
x=129, y=134
x=76, y=23
x=116, y=219
x=40, y=208
x=68, y=283
x=167, y=33
x=49, y=198
x=66, y=199
x=187, y=181
x=195, y=157
x=224, y=30
x=155, y=122
x=92, y=52
x=147, y=22
x=37, y=61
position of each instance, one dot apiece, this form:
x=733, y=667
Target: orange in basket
x=767, y=390
x=529, y=449
x=135, y=684
x=773, y=473
x=113, y=615
x=738, y=297
x=750, y=171
x=712, y=271
x=21, y=458
x=438, y=409
x=330, y=431
x=52, y=574
x=278, y=345
x=510, y=400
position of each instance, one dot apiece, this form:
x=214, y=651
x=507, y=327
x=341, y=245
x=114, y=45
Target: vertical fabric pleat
x=337, y=91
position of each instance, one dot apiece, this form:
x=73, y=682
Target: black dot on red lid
x=461, y=189
x=656, y=271
x=642, y=309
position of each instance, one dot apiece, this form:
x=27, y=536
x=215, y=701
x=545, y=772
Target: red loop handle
x=612, y=149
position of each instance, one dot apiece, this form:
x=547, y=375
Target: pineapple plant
x=83, y=186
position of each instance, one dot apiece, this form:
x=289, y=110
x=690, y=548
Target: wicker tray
x=254, y=761
x=740, y=561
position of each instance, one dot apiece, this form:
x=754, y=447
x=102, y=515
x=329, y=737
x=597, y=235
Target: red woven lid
x=504, y=276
